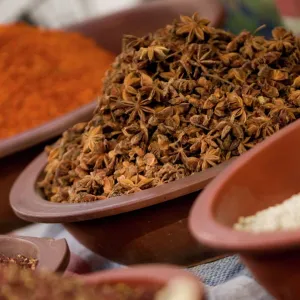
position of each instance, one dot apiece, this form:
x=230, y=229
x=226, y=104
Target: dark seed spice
x=176, y=102
x=21, y=261
x=16, y=284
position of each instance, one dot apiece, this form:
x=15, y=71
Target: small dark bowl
x=265, y=176
x=52, y=255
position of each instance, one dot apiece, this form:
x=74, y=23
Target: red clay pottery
x=28, y=203
x=264, y=176
x=145, y=236
x=139, y=282
x=148, y=275
x=52, y=255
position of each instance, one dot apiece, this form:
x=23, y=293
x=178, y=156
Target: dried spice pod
x=34, y=253
x=19, y=260
x=176, y=102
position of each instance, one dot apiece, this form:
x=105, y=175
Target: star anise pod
x=92, y=138
x=175, y=102
x=193, y=26
x=153, y=53
x=210, y=158
x=283, y=40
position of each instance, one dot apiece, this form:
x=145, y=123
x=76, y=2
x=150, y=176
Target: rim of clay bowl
x=207, y=230
x=46, y=131
x=154, y=273
x=28, y=203
x=53, y=255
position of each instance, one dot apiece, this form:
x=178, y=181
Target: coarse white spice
x=283, y=216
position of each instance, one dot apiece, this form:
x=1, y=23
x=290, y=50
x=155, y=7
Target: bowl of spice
x=49, y=81
x=253, y=208
x=64, y=212
x=137, y=283
x=166, y=123
x=34, y=253
x=73, y=81
x=46, y=75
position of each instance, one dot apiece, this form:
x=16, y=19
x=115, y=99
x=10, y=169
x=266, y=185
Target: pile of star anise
x=176, y=102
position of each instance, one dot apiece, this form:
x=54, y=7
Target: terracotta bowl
x=138, y=20
x=52, y=255
x=266, y=175
x=154, y=234
x=152, y=276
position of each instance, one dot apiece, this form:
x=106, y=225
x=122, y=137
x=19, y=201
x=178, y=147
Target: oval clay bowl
x=28, y=203
x=52, y=255
x=264, y=176
x=154, y=234
x=152, y=276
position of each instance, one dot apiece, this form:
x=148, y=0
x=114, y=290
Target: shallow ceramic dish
x=156, y=233
x=52, y=255
x=147, y=275
x=264, y=176
x=28, y=203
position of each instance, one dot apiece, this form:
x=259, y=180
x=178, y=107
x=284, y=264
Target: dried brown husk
x=175, y=102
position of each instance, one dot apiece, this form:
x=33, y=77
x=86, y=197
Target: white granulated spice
x=284, y=216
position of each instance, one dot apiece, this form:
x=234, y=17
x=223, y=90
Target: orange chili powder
x=45, y=74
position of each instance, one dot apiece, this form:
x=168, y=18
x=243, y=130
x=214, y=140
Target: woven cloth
x=224, y=279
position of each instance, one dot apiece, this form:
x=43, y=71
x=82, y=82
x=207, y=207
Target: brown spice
x=176, y=102
x=21, y=261
x=45, y=74
x=22, y=284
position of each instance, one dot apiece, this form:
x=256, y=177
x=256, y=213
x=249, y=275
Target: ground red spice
x=45, y=74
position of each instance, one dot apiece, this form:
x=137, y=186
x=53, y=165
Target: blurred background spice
x=20, y=261
x=45, y=74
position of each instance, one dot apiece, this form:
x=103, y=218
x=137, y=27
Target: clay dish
x=266, y=175
x=52, y=255
x=147, y=275
x=154, y=234
x=28, y=203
